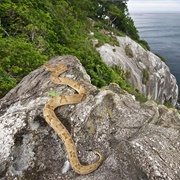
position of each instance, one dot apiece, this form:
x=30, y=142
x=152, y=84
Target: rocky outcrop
x=138, y=141
x=145, y=71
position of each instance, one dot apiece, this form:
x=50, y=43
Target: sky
x=154, y=6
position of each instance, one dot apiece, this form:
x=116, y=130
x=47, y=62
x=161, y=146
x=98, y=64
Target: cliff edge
x=144, y=70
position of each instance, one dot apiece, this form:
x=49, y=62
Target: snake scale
x=59, y=128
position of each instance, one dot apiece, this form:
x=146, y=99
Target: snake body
x=58, y=127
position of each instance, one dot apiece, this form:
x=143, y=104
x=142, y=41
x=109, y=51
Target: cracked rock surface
x=138, y=141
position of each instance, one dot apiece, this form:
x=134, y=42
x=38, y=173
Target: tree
x=32, y=31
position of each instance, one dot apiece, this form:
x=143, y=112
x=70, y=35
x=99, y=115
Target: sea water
x=162, y=32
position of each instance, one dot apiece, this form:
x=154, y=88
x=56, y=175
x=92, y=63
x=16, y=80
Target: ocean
x=162, y=32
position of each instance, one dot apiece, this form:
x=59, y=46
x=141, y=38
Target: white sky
x=153, y=6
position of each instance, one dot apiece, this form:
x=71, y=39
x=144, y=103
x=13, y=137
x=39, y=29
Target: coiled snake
x=58, y=127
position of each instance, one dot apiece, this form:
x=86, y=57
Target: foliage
x=18, y=58
x=126, y=86
x=115, y=14
x=105, y=38
x=162, y=59
x=168, y=104
x=145, y=76
x=7, y=82
x=128, y=52
x=33, y=31
x=128, y=74
x=144, y=44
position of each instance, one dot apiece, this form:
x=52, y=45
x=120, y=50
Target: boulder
x=138, y=141
x=145, y=71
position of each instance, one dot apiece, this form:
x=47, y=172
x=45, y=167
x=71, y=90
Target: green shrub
x=6, y=82
x=168, y=104
x=144, y=44
x=145, y=76
x=129, y=52
x=128, y=74
x=162, y=59
x=31, y=32
x=18, y=58
x=103, y=38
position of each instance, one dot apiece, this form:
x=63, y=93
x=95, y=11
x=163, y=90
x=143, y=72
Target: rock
x=94, y=42
x=91, y=33
x=146, y=72
x=138, y=141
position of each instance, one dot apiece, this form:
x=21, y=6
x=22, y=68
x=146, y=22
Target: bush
x=32, y=31
x=145, y=76
x=129, y=52
x=162, y=59
x=6, y=82
x=18, y=58
x=144, y=44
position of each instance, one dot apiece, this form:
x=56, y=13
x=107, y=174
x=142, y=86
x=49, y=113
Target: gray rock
x=147, y=72
x=139, y=141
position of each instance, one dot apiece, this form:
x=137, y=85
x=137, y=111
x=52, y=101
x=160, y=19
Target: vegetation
x=128, y=74
x=33, y=31
x=105, y=38
x=128, y=52
x=144, y=44
x=162, y=59
x=121, y=80
x=145, y=76
x=168, y=104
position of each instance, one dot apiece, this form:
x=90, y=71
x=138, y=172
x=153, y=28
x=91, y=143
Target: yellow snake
x=58, y=127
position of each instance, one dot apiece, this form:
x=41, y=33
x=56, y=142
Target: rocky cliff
x=145, y=71
x=138, y=141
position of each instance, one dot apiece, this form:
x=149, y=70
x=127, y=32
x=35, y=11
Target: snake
x=56, y=124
